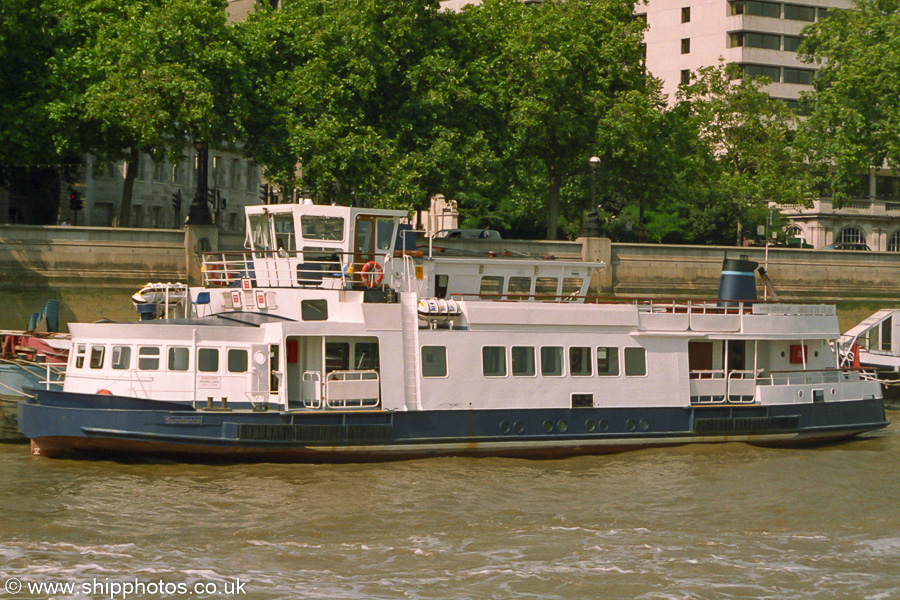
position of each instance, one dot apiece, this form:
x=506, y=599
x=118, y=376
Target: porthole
x=519, y=426
x=504, y=427
x=832, y=391
x=561, y=426
x=604, y=425
x=629, y=425
x=548, y=426
x=782, y=355
x=800, y=393
x=590, y=426
x=645, y=424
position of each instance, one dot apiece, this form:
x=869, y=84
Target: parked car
x=848, y=246
x=469, y=234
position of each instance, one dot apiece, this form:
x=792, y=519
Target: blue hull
x=59, y=422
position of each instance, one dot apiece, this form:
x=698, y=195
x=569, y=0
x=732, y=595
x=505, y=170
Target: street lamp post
x=199, y=213
x=594, y=162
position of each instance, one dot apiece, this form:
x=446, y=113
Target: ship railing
x=717, y=386
x=321, y=268
x=819, y=376
x=311, y=383
x=352, y=389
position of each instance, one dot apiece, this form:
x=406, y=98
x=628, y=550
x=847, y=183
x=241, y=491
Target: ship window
x=318, y=227
x=121, y=357
x=545, y=286
x=259, y=232
x=607, y=362
x=284, y=232
x=79, y=356
x=237, y=361
x=337, y=356
x=365, y=356
x=635, y=362
x=179, y=358
x=580, y=362
x=441, y=283
x=148, y=358
x=493, y=361
x=208, y=360
x=572, y=286
x=97, y=353
x=523, y=361
x=384, y=233
x=519, y=288
x=434, y=361
x=552, y=361
x=491, y=285
x=314, y=310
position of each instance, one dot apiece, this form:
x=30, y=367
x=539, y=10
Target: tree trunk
x=553, y=203
x=124, y=217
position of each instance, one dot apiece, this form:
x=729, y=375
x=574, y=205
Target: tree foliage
x=854, y=112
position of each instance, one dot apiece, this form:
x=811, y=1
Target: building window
x=750, y=39
x=685, y=14
x=235, y=174
x=685, y=77
x=773, y=73
x=796, y=12
x=851, y=235
x=434, y=361
x=887, y=188
x=894, y=242
x=755, y=8
x=791, y=43
x=686, y=46
x=801, y=76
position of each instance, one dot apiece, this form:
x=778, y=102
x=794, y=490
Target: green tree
x=748, y=135
x=146, y=76
x=854, y=111
x=559, y=70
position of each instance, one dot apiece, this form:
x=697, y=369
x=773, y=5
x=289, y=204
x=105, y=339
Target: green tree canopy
x=854, y=111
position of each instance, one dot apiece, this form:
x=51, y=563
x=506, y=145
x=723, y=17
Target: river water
x=721, y=521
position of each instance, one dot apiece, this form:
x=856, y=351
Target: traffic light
x=264, y=193
x=75, y=201
x=176, y=201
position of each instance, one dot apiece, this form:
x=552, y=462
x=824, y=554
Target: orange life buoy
x=372, y=274
x=104, y=393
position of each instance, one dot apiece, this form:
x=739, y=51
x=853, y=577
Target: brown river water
x=696, y=522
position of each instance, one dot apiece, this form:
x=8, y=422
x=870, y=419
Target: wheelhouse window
x=635, y=362
x=97, y=354
x=284, y=232
x=314, y=310
x=607, y=361
x=237, y=360
x=179, y=359
x=148, y=358
x=319, y=227
x=80, y=352
x=121, y=357
x=552, y=361
x=208, y=360
x=434, y=361
x=260, y=235
x=580, y=362
x=493, y=361
x=384, y=234
x=522, y=361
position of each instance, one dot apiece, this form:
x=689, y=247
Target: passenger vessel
x=334, y=338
